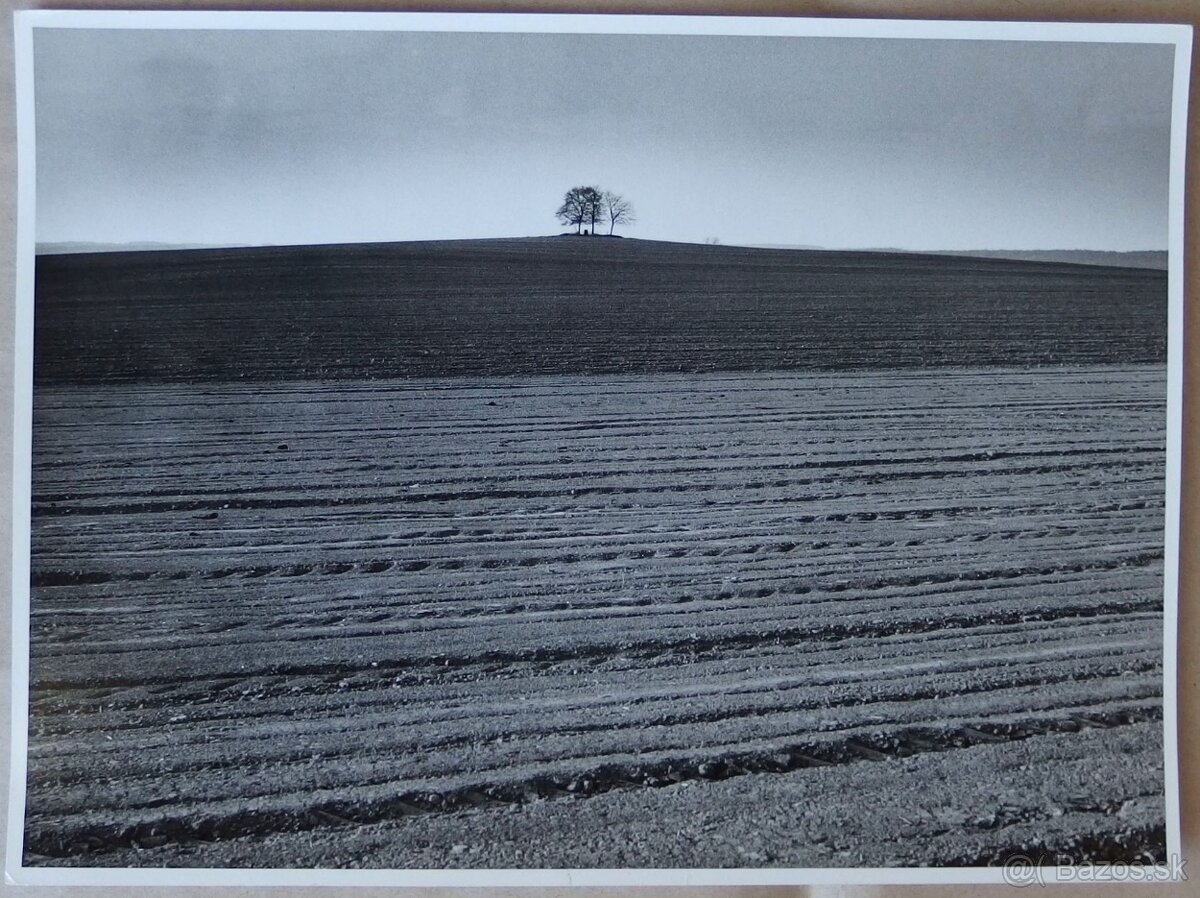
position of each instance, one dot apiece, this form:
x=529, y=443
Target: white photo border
x=27, y=21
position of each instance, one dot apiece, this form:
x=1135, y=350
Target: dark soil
x=530, y=306
x=832, y=619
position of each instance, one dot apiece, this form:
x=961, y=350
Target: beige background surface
x=1175, y=11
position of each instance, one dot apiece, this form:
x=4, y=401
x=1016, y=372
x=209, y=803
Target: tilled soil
x=904, y=617
x=572, y=306
x=1037, y=800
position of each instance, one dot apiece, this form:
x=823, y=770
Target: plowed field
x=572, y=306
x=733, y=619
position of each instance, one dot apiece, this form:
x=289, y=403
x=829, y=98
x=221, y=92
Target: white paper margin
x=27, y=20
x=1175, y=331
x=22, y=434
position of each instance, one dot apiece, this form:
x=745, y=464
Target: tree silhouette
x=618, y=209
x=579, y=205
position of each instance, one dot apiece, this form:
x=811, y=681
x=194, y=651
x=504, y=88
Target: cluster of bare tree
x=587, y=205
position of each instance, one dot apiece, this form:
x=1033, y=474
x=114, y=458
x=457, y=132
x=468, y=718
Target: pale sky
x=280, y=137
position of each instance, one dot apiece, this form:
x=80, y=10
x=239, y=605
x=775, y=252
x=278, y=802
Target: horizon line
x=69, y=247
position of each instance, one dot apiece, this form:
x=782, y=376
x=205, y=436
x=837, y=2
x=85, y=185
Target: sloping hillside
x=570, y=306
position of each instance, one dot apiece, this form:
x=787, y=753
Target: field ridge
x=522, y=307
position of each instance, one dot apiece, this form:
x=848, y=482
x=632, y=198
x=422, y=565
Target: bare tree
x=618, y=209
x=579, y=205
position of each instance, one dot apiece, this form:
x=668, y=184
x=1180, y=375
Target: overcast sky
x=274, y=137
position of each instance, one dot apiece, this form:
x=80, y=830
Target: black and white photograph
x=735, y=450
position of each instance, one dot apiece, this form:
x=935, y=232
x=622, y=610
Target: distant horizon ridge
x=1154, y=260
x=69, y=246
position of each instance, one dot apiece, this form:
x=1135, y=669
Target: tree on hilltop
x=579, y=205
x=618, y=209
